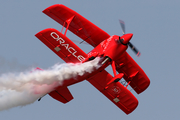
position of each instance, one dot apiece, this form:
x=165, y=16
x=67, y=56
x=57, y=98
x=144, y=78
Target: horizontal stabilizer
x=61, y=94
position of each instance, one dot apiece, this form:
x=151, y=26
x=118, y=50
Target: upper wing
x=79, y=25
x=61, y=45
x=115, y=91
x=132, y=73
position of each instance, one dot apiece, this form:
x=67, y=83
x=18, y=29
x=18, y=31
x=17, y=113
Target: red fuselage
x=113, y=47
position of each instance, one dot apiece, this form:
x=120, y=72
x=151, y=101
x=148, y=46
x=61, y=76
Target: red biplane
x=112, y=50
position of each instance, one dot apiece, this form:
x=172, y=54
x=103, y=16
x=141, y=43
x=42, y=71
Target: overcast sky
x=156, y=27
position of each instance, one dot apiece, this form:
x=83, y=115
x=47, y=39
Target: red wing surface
x=61, y=45
x=67, y=51
x=133, y=73
x=61, y=94
x=115, y=91
x=79, y=25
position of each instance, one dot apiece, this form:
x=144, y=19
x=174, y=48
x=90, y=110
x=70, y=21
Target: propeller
x=122, y=26
x=136, y=51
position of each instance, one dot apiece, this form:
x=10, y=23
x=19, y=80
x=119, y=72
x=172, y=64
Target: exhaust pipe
x=106, y=59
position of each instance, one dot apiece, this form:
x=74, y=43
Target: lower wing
x=115, y=91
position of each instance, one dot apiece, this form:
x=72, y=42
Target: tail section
x=61, y=94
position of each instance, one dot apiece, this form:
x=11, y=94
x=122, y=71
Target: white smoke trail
x=26, y=87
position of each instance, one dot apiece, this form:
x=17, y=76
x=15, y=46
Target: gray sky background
x=155, y=25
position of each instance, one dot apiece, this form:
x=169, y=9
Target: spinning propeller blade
x=122, y=26
x=136, y=51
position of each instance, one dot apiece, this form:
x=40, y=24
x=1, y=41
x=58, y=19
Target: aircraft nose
x=126, y=38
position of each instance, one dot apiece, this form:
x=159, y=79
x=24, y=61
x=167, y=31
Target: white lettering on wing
x=70, y=49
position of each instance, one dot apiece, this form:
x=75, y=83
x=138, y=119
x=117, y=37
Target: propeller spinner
x=125, y=39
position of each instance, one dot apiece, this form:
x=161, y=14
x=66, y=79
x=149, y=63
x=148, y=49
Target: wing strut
x=68, y=21
x=114, y=68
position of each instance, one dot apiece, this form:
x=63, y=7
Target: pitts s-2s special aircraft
x=111, y=50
